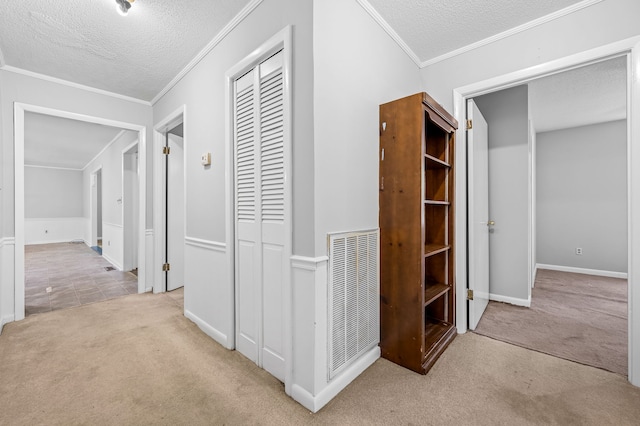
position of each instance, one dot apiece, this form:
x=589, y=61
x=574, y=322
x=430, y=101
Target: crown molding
x=385, y=26
x=208, y=48
x=116, y=137
x=513, y=31
x=505, y=34
x=36, y=166
x=72, y=84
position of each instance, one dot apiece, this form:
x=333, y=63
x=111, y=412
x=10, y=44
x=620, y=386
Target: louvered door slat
x=245, y=157
x=272, y=146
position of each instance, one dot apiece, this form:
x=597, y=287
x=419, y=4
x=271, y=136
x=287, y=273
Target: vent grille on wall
x=354, y=289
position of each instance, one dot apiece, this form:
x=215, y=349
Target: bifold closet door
x=260, y=259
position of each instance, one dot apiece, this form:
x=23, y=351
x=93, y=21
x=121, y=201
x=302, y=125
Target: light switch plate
x=206, y=159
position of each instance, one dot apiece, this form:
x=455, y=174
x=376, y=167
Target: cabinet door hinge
x=166, y=150
x=469, y=124
x=469, y=294
x=166, y=267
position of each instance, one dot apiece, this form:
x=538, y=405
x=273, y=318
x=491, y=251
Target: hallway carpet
x=578, y=317
x=137, y=360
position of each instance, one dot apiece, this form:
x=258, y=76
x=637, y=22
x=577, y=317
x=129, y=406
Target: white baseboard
x=111, y=261
x=510, y=300
x=209, y=330
x=6, y=320
x=315, y=403
x=584, y=271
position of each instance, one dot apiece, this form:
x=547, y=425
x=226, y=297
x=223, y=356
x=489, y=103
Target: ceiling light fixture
x=123, y=6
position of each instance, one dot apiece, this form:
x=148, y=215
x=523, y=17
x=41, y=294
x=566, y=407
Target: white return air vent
x=354, y=297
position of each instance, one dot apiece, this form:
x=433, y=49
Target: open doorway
x=130, y=207
x=572, y=144
x=67, y=199
x=174, y=208
x=169, y=204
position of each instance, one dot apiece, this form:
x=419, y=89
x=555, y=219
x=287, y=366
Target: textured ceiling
x=432, y=28
x=61, y=142
x=89, y=43
x=593, y=94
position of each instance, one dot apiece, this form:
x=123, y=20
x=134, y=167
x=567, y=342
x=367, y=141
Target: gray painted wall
x=506, y=113
x=582, y=197
x=52, y=193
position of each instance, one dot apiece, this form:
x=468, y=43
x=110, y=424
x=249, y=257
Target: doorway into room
x=575, y=307
x=67, y=200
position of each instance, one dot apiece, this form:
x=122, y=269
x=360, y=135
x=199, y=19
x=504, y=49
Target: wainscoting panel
x=208, y=291
x=112, y=244
x=7, y=296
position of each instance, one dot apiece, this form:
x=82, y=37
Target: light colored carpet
x=137, y=360
x=578, y=317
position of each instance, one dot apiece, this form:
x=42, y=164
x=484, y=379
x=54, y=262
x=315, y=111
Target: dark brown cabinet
x=417, y=282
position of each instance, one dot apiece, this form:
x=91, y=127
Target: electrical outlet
x=578, y=250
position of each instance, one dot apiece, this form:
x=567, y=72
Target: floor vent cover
x=354, y=294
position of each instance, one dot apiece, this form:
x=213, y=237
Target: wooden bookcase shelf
x=416, y=231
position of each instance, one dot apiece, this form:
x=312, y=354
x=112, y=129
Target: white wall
x=53, y=205
x=602, y=23
x=34, y=91
x=335, y=161
x=357, y=67
x=20, y=88
x=507, y=117
x=208, y=286
x=582, y=197
x=110, y=161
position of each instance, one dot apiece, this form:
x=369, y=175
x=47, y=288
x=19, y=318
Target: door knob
x=491, y=223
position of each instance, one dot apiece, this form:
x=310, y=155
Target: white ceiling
x=435, y=28
x=87, y=42
x=64, y=143
x=593, y=94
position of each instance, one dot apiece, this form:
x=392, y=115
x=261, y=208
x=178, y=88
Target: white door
x=175, y=212
x=479, y=222
x=130, y=208
x=260, y=259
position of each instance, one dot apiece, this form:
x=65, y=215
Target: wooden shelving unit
x=417, y=286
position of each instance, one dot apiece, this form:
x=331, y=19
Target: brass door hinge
x=469, y=124
x=469, y=294
x=166, y=267
x=166, y=150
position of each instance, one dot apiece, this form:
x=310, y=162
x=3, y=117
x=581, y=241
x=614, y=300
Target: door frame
x=159, y=195
x=19, y=110
x=281, y=40
x=93, y=205
x=127, y=254
x=631, y=49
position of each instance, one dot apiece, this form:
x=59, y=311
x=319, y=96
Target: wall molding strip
x=206, y=244
x=585, y=271
x=72, y=84
x=208, y=48
x=308, y=263
x=500, y=36
x=510, y=300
